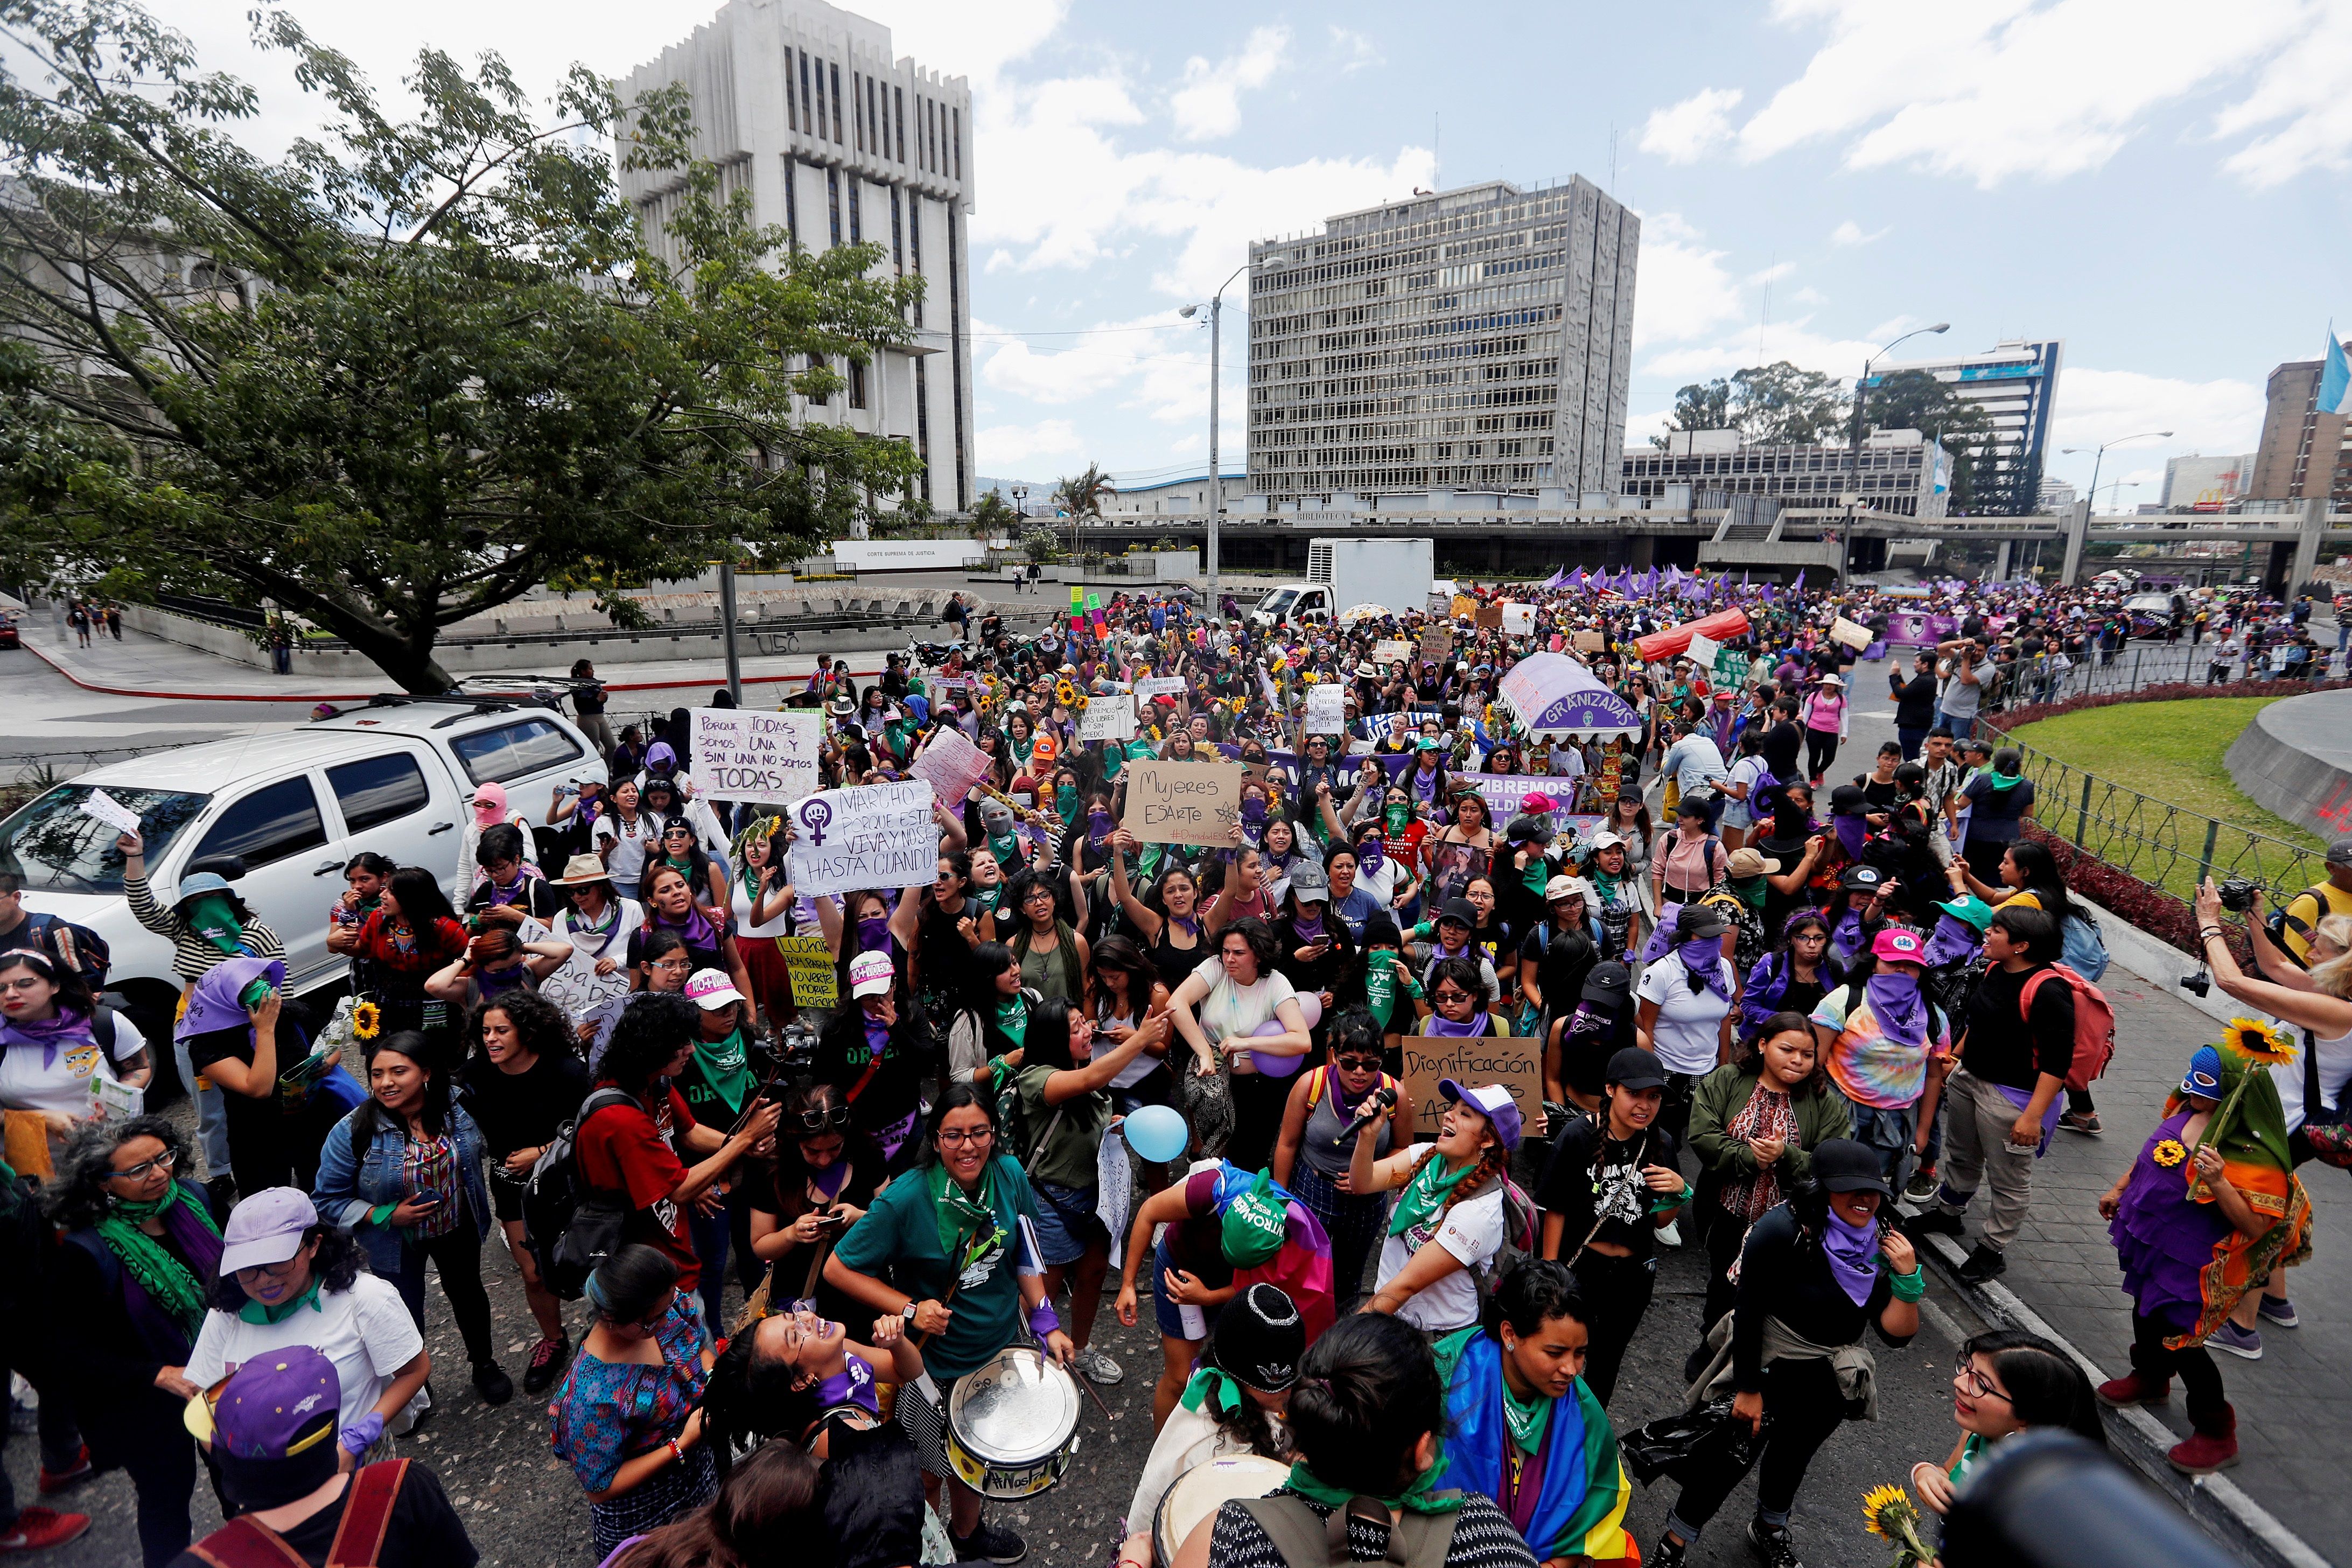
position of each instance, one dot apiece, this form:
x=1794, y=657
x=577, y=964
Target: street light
x=2100, y=453
x=1216, y=480
x=1854, y=448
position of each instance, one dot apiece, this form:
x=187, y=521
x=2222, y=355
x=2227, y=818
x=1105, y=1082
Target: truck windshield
x=1278, y=603
x=57, y=849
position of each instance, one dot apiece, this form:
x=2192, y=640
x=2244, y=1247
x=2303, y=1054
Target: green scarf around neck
x=1527, y=1418
x=1418, y=1498
x=726, y=1068
x=2004, y=782
x=965, y=1220
x=1212, y=1392
x=259, y=1312
x=165, y=1279
x=1426, y=1194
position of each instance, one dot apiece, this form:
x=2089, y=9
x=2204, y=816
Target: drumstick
x=1108, y=1413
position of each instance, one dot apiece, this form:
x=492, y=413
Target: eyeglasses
x=673, y=963
x=819, y=1120
x=1036, y=894
x=955, y=1137
x=1974, y=1381
x=137, y=1172
x=1356, y=1064
x=1445, y=997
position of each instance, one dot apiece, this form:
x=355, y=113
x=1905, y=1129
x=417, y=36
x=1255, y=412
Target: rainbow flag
x=1580, y=1489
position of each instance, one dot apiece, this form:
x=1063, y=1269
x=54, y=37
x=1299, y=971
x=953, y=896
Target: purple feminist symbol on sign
x=814, y=815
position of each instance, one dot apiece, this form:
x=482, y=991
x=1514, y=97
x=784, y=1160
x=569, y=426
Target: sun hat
x=1567, y=887
x=871, y=974
x=580, y=871
x=265, y=1229
x=1494, y=1103
x=710, y=989
x=1746, y=862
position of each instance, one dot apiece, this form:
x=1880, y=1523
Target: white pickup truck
x=395, y=776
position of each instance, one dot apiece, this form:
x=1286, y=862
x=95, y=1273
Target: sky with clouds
x=2161, y=182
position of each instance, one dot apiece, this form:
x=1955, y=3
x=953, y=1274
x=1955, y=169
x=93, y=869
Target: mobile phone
x=425, y=1200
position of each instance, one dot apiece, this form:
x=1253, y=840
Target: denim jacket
x=349, y=1187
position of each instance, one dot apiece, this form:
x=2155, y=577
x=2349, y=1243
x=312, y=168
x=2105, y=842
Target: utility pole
x=1853, y=446
x=1216, y=479
x=727, y=629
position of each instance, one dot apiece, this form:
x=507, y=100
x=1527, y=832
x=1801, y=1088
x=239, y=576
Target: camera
x=2238, y=894
x=2196, y=985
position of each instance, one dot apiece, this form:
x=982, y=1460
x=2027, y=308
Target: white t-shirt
x=1473, y=1232
x=2334, y=1062
x=1230, y=1009
x=365, y=1331
x=63, y=1084
x=627, y=861
x=779, y=926
x=1686, y=1034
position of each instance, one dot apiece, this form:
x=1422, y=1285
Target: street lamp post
x=1216, y=480
x=1853, y=446
x=2099, y=455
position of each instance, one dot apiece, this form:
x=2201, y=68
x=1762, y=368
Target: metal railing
x=2147, y=664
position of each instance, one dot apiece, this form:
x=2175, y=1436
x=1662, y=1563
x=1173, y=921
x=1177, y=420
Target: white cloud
x=1850, y=233
x=1209, y=103
x=1355, y=51
x=1685, y=290
x=2095, y=406
x=2310, y=88
x=1687, y=132
x=1006, y=446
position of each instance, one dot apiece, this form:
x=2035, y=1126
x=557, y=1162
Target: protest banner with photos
x=1510, y=1060
x=745, y=753
x=1181, y=803
x=877, y=836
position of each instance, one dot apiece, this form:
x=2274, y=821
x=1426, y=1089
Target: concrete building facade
x=2016, y=384
x=2304, y=452
x=1897, y=471
x=2198, y=483
x=1173, y=495
x=1479, y=338
x=841, y=142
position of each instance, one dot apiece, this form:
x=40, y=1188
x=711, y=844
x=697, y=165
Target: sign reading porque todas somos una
x=742, y=753
x=877, y=836
x=1181, y=803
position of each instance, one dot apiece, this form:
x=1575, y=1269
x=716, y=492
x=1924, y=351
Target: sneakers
x=2211, y=1445
x=72, y=1475
x=2280, y=1310
x=2137, y=1388
x=1934, y=1222
x=547, y=1361
x=1667, y=1553
x=1670, y=1234
x=988, y=1544
x=37, y=1528
x=1922, y=1186
x=2244, y=1343
x=1983, y=1263
x=495, y=1386
x=1773, y=1546
x=2086, y=1122
x=1097, y=1368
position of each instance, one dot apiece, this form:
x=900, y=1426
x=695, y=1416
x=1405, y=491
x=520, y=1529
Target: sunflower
x=2168, y=1153
x=367, y=1018
x=1890, y=1515
x=2263, y=1043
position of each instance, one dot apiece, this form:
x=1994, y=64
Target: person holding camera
x=1963, y=691
x=2304, y=913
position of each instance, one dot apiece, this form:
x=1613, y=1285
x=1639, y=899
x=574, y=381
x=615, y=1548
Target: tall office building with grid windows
x=1473, y=339
x=838, y=142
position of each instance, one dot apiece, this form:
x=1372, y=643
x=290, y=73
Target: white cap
x=871, y=975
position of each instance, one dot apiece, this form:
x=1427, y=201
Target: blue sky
x=2163, y=185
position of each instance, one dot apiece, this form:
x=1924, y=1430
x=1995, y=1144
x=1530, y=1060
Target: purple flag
x=1799, y=587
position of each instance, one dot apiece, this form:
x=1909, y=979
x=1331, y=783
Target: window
x=792, y=199
x=878, y=134
x=897, y=235
x=792, y=100
x=273, y=822
x=808, y=104
x=819, y=127
x=57, y=849
x=511, y=750
x=955, y=120
x=836, y=104
x=833, y=199
x=856, y=112
x=377, y=790
x=899, y=93
x=856, y=211
x=856, y=385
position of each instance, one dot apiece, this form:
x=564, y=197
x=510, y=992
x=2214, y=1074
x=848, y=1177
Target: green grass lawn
x=2172, y=753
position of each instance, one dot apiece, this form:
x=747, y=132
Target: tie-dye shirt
x=1868, y=1067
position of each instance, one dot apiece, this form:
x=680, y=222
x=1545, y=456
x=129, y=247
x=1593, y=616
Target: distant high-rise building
x=1479, y=338
x=2016, y=382
x=805, y=106
x=2208, y=484
x=2058, y=496
x=2302, y=452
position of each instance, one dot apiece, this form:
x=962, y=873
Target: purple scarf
x=1952, y=940
x=1851, y=833
x=1852, y=1253
x=1441, y=1026
x=67, y=1027
x=214, y=1005
x=1900, y=1009
x=1704, y=959
x=696, y=929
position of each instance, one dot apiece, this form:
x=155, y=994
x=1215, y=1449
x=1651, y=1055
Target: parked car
x=9, y=635
x=395, y=776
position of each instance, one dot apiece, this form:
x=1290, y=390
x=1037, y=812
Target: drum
x=1200, y=1491
x=1013, y=1425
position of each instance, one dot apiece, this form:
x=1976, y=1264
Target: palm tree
x=1082, y=498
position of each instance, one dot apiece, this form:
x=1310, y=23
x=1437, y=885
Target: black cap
x=1610, y=981
x=1700, y=921
x=1635, y=1067
x=1843, y=1165
x=1849, y=800
x=1260, y=1338
x=1861, y=879
x=1459, y=910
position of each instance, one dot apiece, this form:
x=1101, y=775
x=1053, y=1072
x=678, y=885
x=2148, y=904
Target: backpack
x=2085, y=951
x=93, y=956
x=2095, y=1023
x=569, y=1225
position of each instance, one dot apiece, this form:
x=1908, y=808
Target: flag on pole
x=2334, y=375
x=1799, y=587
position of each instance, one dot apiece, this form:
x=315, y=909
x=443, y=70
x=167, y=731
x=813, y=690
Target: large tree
x=1771, y=406
x=412, y=370
x=1916, y=400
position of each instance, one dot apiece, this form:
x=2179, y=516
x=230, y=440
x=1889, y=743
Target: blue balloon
x=1157, y=1133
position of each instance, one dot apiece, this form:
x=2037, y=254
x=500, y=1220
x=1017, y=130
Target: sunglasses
x=1442, y=997
x=817, y=1121
x=1356, y=1064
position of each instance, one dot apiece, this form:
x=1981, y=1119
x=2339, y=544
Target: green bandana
x=1212, y=1392
x=213, y=917
x=165, y=1279
x=1415, y=1499
x=2004, y=782
x=1379, y=990
x=725, y=1067
x=1426, y=1194
x=966, y=1220
x=1012, y=1018
x=255, y=1312
x=1065, y=804
x=1399, y=817
x=1255, y=1224
x=1527, y=1418
x=1007, y=851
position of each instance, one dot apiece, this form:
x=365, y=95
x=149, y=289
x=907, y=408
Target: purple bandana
x=1704, y=959
x=214, y=1005
x=47, y=1034
x=1901, y=1011
x=1852, y=1253
x=1952, y=940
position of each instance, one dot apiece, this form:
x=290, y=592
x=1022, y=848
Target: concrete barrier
x=2295, y=758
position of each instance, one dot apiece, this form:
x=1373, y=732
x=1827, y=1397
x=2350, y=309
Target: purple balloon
x=1274, y=1066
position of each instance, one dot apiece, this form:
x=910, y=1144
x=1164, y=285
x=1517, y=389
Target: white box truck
x=1341, y=573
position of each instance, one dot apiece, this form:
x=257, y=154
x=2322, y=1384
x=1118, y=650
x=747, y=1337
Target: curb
x=2221, y=1507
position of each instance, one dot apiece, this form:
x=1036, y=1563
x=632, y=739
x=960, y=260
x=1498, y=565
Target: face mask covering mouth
x=213, y=917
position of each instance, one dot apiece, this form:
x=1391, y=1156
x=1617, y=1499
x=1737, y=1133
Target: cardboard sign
x=1181, y=803
x=951, y=764
x=1391, y=650
x=1511, y=1061
x=875, y=835
x=1490, y=617
x=1702, y=651
x=1518, y=619
x=1437, y=642
x=1160, y=686
x=815, y=983
x=1852, y=633
x=111, y=811
x=1327, y=709
x=743, y=754
x=1107, y=718
x=1589, y=642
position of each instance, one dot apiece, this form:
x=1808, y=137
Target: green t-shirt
x=1068, y=1158
x=898, y=1239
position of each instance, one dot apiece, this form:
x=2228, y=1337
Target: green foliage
x=1083, y=496
x=993, y=514
x=1769, y=406
x=1042, y=545
x=415, y=368
x=1916, y=400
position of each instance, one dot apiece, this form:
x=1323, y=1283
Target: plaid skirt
x=675, y=1489
x=1354, y=1224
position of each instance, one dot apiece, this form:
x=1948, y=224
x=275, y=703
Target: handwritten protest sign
x=1391, y=650
x=1437, y=641
x=951, y=764
x=743, y=754
x=1510, y=1061
x=111, y=811
x=1703, y=650
x=816, y=983
x=1518, y=619
x=1160, y=686
x=1110, y=717
x=1327, y=709
x=1490, y=617
x=1590, y=642
x=1181, y=803
x=877, y=836
x=1853, y=633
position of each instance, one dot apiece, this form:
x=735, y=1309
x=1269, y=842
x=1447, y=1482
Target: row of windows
x=1480, y=299
x=1539, y=315
x=1484, y=476
x=877, y=119
x=1347, y=239
x=1909, y=458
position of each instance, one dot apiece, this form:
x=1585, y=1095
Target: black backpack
x=570, y=1225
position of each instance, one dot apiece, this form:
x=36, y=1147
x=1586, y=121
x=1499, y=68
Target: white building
x=2016, y=384
x=2209, y=484
x=839, y=141
x=1165, y=494
x=2058, y=496
x=1898, y=471
x=1479, y=338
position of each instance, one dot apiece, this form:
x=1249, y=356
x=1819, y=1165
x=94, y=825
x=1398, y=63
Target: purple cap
x=265, y=1229
x=280, y=1404
x=1493, y=1101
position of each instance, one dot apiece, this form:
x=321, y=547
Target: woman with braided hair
x=1450, y=1217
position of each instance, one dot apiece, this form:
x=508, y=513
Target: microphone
x=1381, y=1102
